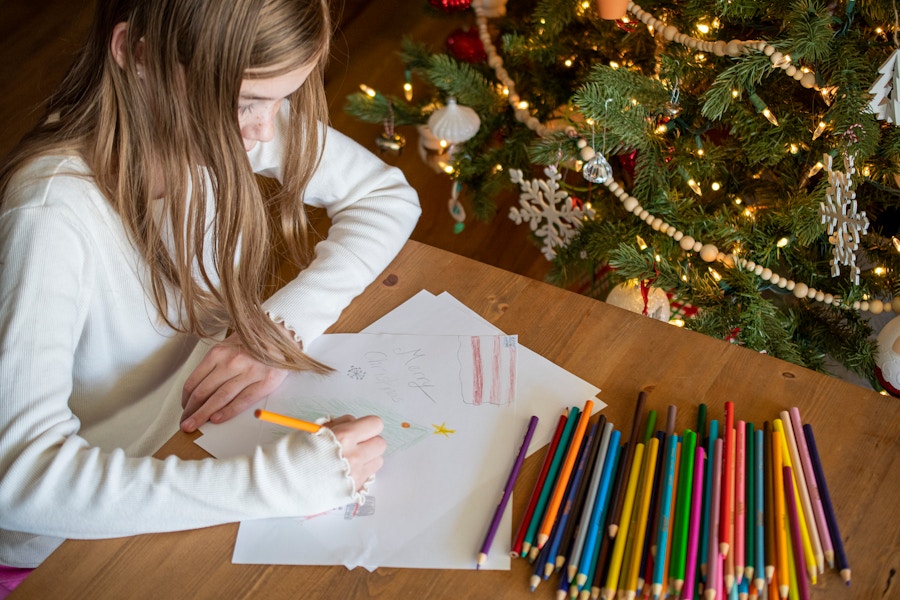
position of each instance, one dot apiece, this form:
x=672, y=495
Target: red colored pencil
x=523, y=528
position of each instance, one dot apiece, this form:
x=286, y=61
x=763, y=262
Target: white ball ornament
x=454, y=123
x=628, y=296
x=887, y=362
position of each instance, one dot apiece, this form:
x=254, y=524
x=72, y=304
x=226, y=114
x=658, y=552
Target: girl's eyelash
x=244, y=109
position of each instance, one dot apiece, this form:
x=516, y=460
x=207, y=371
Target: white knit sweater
x=91, y=377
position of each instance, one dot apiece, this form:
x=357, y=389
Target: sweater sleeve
x=53, y=481
x=373, y=211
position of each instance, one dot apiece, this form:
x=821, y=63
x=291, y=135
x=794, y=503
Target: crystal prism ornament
x=597, y=170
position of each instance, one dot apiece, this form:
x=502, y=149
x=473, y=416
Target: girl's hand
x=226, y=382
x=361, y=445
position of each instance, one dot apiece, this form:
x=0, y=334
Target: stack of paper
x=455, y=395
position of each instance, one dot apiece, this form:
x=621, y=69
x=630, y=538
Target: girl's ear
x=118, y=43
x=118, y=46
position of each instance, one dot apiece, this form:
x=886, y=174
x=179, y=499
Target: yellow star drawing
x=442, y=429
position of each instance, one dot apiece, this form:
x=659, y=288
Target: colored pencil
x=649, y=426
x=704, y=525
x=750, y=503
x=641, y=513
x=649, y=549
x=605, y=543
x=840, y=557
x=567, y=507
x=529, y=546
x=690, y=575
x=759, y=509
x=536, y=492
x=781, y=549
x=810, y=561
x=598, y=513
x=565, y=473
x=793, y=512
x=701, y=425
x=805, y=505
x=270, y=417
x=715, y=507
x=590, y=499
x=618, y=551
x=725, y=516
x=507, y=493
x=619, y=489
x=567, y=541
x=663, y=452
x=812, y=486
x=740, y=495
x=682, y=511
x=665, y=503
x=769, y=505
x=538, y=567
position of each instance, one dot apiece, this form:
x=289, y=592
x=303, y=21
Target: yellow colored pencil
x=808, y=551
x=781, y=557
x=642, y=514
x=264, y=415
x=618, y=551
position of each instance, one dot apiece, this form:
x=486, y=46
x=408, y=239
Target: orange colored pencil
x=565, y=473
x=284, y=420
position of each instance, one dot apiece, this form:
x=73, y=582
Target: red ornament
x=465, y=45
x=628, y=161
x=450, y=5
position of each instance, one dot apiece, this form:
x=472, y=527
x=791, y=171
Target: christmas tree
x=739, y=156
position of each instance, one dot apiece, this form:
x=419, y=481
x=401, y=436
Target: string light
x=783, y=242
x=707, y=252
x=820, y=128
x=407, y=91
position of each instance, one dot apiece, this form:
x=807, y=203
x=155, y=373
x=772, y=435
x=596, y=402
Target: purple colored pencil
x=796, y=537
x=840, y=557
x=687, y=592
x=713, y=563
x=507, y=493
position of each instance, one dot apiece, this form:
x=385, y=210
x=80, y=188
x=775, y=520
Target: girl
x=133, y=232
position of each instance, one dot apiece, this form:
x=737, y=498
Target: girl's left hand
x=226, y=382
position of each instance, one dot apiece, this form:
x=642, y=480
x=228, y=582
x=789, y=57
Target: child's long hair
x=176, y=121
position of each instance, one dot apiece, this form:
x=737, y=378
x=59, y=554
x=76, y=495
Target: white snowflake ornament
x=839, y=212
x=548, y=210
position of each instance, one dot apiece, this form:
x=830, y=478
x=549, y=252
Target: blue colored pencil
x=665, y=509
x=578, y=544
x=759, y=509
x=598, y=512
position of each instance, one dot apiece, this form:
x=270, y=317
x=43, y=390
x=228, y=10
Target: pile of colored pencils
x=724, y=511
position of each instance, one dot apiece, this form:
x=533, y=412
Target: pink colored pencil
x=813, y=486
x=796, y=537
x=713, y=562
x=687, y=592
x=740, y=493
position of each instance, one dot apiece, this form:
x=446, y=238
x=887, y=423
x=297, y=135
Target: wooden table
x=619, y=351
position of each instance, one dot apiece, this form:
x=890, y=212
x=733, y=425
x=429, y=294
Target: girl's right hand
x=361, y=444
